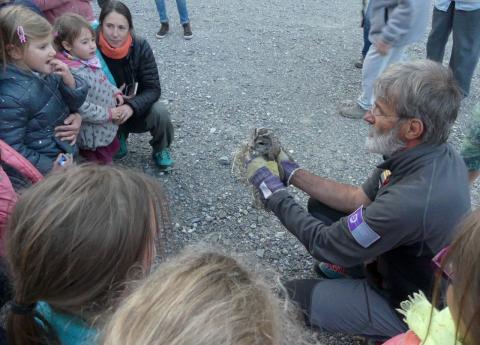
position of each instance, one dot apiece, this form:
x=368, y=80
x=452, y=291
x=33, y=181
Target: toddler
x=75, y=43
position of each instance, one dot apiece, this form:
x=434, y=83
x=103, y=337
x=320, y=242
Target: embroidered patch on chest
x=384, y=178
x=360, y=230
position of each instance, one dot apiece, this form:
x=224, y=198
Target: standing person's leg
x=366, y=31
x=466, y=47
x=347, y=306
x=375, y=64
x=184, y=19
x=162, y=13
x=438, y=37
x=182, y=11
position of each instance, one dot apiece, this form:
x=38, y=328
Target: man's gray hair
x=424, y=90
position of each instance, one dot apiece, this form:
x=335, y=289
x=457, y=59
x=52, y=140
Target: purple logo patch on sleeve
x=361, y=232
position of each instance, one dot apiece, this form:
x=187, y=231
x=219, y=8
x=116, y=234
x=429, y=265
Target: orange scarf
x=111, y=52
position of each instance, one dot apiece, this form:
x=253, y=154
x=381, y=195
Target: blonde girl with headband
x=74, y=243
x=204, y=298
x=75, y=43
x=38, y=94
x=458, y=267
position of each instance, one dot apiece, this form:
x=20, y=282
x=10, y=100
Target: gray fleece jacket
x=399, y=22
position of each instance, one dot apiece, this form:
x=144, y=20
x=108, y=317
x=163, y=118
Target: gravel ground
x=278, y=64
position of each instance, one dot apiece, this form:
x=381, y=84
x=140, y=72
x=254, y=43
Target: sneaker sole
x=188, y=37
x=160, y=37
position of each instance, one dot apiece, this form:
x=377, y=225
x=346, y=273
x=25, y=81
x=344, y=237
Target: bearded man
x=394, y=223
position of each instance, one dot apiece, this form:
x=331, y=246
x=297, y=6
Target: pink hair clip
x=21, y=35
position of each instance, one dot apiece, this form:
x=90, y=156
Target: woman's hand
x=122, y=113
x=70, y=129
x=61, y=69
x=119, y=99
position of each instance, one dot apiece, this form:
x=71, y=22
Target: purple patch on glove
x=266, y=182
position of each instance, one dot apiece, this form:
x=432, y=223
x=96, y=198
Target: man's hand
x=70, y=129
x=60, y=68
x=286, y=167
x=264, y=176
x=382, y=47
x=122, y=113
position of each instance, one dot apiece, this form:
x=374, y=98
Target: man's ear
x=14, y=52
x=67, y=46
x=414, y=129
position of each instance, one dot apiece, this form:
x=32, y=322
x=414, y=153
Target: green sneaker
x=163, y=159
x=123, y=150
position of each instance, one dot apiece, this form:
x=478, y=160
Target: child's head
x=462, y=262
x=76, y=238
x=203, y=298
x=74, y=34
x=25, y=39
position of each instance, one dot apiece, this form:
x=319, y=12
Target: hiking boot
x=163, y=159
x=187, y=31
x=353, y=111
x=123, y=150
x=359, y=62
x=330, y=271
x=163, y=31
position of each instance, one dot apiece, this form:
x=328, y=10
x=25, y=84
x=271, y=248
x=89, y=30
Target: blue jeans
x=366, y=29
x=182, y=11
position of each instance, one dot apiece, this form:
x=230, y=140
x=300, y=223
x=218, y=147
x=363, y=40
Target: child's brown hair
x=67, y=28
x=16, y=23
x=75, y=240
x=204, y=297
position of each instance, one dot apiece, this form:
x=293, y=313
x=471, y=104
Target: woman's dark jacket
x=31, y=106
x=139, y=66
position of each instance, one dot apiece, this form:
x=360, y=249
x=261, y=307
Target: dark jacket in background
x=31, y=106
x=139, y=66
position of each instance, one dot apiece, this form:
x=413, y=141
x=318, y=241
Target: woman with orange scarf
x=132, y=65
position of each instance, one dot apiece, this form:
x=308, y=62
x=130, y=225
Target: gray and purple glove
x=287, y=167
x=264, y=176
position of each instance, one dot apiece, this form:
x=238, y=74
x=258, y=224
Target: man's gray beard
x=384, y=144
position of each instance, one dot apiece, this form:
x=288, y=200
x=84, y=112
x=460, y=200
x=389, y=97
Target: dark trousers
x=465, y=28
x=157, y=122
x=349, y=306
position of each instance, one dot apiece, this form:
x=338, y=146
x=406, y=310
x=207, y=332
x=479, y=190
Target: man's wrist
x=294, y=177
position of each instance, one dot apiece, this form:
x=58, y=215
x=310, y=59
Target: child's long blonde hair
x=76, y=239
x=204, y=298
x=15, y=20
